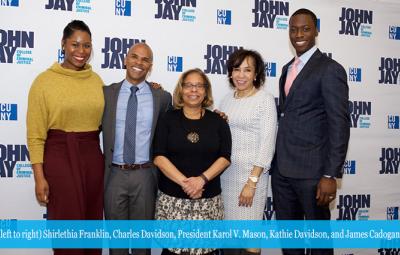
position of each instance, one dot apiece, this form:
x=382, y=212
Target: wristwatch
x=253, y=178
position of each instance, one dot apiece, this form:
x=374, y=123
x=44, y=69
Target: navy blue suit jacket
x=314, y=123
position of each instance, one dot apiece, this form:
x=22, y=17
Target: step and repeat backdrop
x=362, y=35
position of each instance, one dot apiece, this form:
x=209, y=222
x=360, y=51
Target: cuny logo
x=270, y=69
x=390, y=69
x=14, y=3
x=216, y=58
x=393, y=122
x=355, y=74
x=115, y=50
x=392, y=213
x=270, y=14
x=8, y=112
x=360, y=113
x=176, y=10
x=66, y=5
x=356, y=22
x=349, y=167
x=394, y=33
x=224, y=17
x=354, y=207
x=390, y=159
x=123, y=7
x=60, y=56
x=10, y=155
x=15, y=45
x=269, y=209
x=175, y=64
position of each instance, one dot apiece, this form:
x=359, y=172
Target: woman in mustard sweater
x=65, y=108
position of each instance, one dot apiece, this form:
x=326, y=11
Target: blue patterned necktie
x=130, y=127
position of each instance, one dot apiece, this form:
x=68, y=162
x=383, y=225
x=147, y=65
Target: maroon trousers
x=74, y=169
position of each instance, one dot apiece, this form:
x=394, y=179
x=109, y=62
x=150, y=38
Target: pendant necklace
x=191, y=135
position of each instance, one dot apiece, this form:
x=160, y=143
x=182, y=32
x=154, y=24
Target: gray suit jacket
x=161, y=101
x=314, y=123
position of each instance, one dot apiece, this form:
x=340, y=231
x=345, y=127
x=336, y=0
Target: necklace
x=191, y=135
x=250, y=93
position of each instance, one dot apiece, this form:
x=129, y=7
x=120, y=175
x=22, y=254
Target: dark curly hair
x=237, y=58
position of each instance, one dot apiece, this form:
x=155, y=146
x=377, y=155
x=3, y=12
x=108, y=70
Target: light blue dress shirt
x=144, y=121
x=304, y=59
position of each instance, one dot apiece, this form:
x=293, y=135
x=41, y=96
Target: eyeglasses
x=192, y=86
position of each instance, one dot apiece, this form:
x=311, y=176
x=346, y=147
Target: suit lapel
x=113, y=107
x=282, y=80
x=156, y=109
x=304, y=73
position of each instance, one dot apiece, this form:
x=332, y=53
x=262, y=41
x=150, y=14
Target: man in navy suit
x=314, y=129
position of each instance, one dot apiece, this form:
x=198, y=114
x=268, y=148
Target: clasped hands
x=193, y=187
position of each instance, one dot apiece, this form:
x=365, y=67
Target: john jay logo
x=269, y=209
x=270, y=14
x=270, y=69
x=390, y=69
x=390, y=159
x=115, y=50
x=67, y=5
x=393, y=122
x=224, y=17
x=392, y=213
x=349, y=167
x=15, y=46
x=10, y=156
x=216, y=58
x=123, y=7
x=394, y=33
x=360, y=114
x=356, y=22
x=354, y=207
x=176, y=10
x=14, y=3
x=175, y=64
x=8, y=112
x=355, y=74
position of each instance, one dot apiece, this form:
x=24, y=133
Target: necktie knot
x=134, y=89
x=296, y=62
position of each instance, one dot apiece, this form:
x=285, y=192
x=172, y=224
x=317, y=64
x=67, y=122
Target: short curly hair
x=237, y=58
x=177, y=97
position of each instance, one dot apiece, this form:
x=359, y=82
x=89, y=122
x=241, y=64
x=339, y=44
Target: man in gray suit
x=314, y=129
x=132, y=108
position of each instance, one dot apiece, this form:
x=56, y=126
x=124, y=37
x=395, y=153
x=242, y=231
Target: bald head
x=142, y=47
x=138, y=62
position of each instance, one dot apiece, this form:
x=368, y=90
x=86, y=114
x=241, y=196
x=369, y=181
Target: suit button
x=282, y=114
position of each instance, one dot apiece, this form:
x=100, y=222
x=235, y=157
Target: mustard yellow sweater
x=62, y=99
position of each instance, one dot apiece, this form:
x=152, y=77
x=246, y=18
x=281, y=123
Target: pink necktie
x=291, y=75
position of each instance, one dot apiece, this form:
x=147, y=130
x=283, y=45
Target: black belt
x=134, y=166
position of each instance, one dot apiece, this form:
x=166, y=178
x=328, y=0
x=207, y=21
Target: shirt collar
x=307, y=55
x=127, y=85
